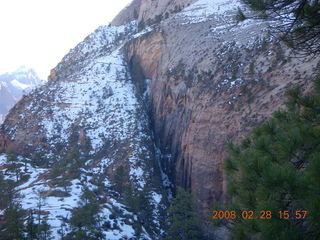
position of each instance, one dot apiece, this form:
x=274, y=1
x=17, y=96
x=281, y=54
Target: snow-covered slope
x=207, y=10
x=58, y=201
x=89, y=123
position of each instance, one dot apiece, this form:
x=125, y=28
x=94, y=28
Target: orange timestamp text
x=263, y=214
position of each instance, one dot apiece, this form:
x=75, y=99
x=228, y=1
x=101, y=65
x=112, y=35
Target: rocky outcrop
x=52, y=76
x=129, y=13
x=146, y=52
x=5, y=144
x=149, y=11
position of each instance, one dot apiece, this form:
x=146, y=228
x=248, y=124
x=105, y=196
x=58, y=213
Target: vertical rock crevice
x=143, y=57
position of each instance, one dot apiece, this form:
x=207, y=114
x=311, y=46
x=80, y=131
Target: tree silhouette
x=183, y=218
x=297, y=22
x=276, y=168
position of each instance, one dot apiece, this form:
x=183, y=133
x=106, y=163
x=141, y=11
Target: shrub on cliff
x=141, y=25
x=240, y=16
x=276, y=168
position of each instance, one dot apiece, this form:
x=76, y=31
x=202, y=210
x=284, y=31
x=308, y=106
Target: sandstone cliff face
x=212, y=80
x=149, y=10
x=128, y=14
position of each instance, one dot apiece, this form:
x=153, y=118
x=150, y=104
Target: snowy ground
x=102, y=100
x=57, y=208
x=206, y=10
x=224, y=26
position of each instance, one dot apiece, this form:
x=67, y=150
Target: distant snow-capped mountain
x=13, y=85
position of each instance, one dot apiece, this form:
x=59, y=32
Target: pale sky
x=38, y=33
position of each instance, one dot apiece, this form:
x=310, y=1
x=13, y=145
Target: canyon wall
x=212, y=81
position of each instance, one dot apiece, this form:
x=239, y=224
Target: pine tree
x=14, y=222
x=44, y=230
x=7, y=193
x=139, y=202
x=120, y=178
x=141, y=25
x=240, y=15
x=14, y=166
x=31, y=227
x=298, y=22
x=183, y=218
x=276, y=168
x=85, y=222
x=145, y=210
x=131, y=199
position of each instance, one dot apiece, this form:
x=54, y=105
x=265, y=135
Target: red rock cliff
x=210, y=85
